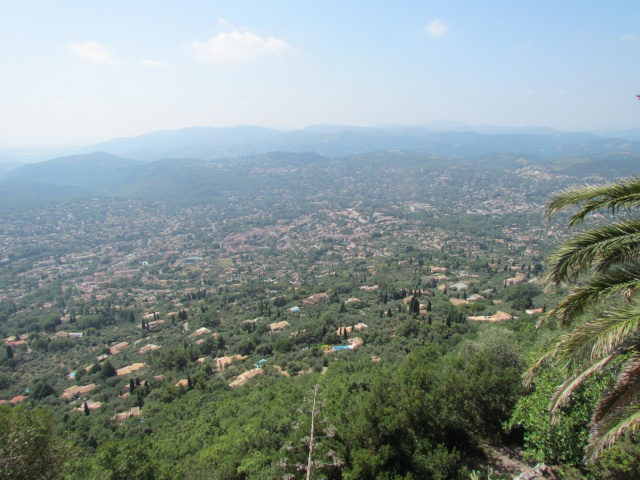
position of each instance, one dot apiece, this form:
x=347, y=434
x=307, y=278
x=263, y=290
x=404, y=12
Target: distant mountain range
x=448, y=139
x=181, y=181
x=206, y=164
x=207, y=143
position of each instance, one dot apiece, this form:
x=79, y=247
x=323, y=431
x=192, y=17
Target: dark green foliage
x=283, y=345
x=279, y=302
x=177, y=358
x=620, y=462
x=210, y=346
x=245, y=346
x=108, y=370
x=41, y=390
x=41, y=344
x=561, y=442
x=521, y=296
x=49, y=325
x=28, y=447
x=123, y=460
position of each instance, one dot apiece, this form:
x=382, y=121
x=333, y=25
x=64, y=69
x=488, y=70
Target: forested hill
x=92, y=170
x=180, y=181
x=450, y=140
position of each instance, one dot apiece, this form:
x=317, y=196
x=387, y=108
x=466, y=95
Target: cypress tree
x=108, y=370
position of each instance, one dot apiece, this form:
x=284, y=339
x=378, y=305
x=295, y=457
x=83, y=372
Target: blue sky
x=78, y=72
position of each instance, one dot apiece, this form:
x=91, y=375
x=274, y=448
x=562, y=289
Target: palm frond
x=544, y=359
x=607, y=432
x=629, y=253
x=609, y=257
x=599, y=245
x=626, y=390
x=566, y=389
x=593, y=341
x=590, y=199
x=618, y=279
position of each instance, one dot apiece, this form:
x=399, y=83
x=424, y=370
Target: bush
x=42, y=390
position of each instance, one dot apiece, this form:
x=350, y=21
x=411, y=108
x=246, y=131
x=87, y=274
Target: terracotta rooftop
x=245, y=377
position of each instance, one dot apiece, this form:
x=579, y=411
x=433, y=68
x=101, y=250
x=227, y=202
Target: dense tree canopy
x=28, y=447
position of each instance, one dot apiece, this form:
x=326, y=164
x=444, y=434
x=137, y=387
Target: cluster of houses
x=95, y=270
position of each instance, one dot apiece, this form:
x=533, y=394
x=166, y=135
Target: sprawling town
x=113, y=306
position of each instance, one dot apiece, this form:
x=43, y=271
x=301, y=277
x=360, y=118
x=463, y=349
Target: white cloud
x=226, y=24
x=94, y=52
x=236, y=46
x=437, y=28
x=155, y=63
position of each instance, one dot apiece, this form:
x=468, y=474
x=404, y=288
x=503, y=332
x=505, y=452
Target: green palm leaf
x=608, y=256
x=624, y=392
x=592, y=342
x=566, y=389
x=607, y=432
x=605, y=245
x=609, y=197
x=619, y=279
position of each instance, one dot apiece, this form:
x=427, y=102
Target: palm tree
x=602, y=267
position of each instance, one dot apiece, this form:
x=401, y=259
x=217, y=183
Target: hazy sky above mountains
x=75, y=73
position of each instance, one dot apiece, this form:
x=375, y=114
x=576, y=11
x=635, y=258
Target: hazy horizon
x=78, y=74
x=436, y=125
